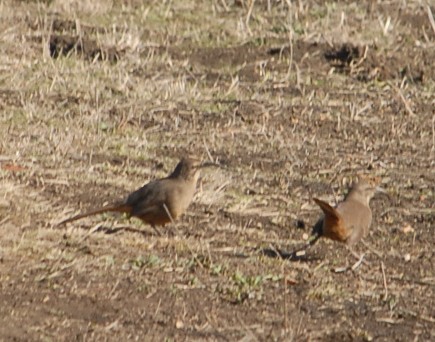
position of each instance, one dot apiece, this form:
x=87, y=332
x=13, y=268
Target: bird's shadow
x=109, y=230
x=290, y=256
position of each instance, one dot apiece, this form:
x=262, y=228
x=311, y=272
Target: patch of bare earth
x=294, y=99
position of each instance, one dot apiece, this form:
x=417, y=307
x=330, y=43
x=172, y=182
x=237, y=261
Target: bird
x=350, y=220
x=160, y=201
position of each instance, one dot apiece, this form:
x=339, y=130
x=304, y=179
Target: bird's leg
x=171, y=218
x=358, y=263
x=355, y=265
x=360, y=258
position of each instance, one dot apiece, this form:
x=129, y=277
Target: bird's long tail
x=121, y=208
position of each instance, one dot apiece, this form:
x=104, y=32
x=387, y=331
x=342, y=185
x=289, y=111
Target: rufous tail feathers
x=333, y=225
x=327, y=209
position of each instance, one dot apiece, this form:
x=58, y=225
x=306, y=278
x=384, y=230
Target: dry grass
x=261, y=86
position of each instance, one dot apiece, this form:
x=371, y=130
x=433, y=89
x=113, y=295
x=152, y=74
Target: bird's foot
x=353, y=267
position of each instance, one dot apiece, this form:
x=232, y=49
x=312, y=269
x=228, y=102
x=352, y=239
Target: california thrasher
x=350, y=221
x=160, y=201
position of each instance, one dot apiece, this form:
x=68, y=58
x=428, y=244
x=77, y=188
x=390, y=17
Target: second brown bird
x=350, y=221
x=160, y=201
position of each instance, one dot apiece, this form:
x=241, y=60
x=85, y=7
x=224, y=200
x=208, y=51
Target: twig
x=248, y=331
x=409, y=211
x=248, y=16
x=285, y=300
x=91, y=231
x=431, y=19
x=225, y=6
x=362, y=59
x=371, y=249
x=416, y=315
x=385, y=280
x=207, y=149
x=290, y=39
x=113, y=289
x=404, y=101
x=157, y=309
x=433, y=133
x=19, y=243
x=6, y=219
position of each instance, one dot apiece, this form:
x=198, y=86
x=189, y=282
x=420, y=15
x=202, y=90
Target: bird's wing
x=150, y=195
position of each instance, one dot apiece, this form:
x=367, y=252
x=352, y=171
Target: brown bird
x=160, y=201
x=350, y=221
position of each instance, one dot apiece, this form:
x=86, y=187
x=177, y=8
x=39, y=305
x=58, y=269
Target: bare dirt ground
x=294, y=98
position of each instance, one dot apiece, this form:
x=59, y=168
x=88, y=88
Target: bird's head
x=189, y=168
x=365, y=189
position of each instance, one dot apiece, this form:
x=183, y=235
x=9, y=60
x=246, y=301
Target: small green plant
x=245, y=287
x=141, y=261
